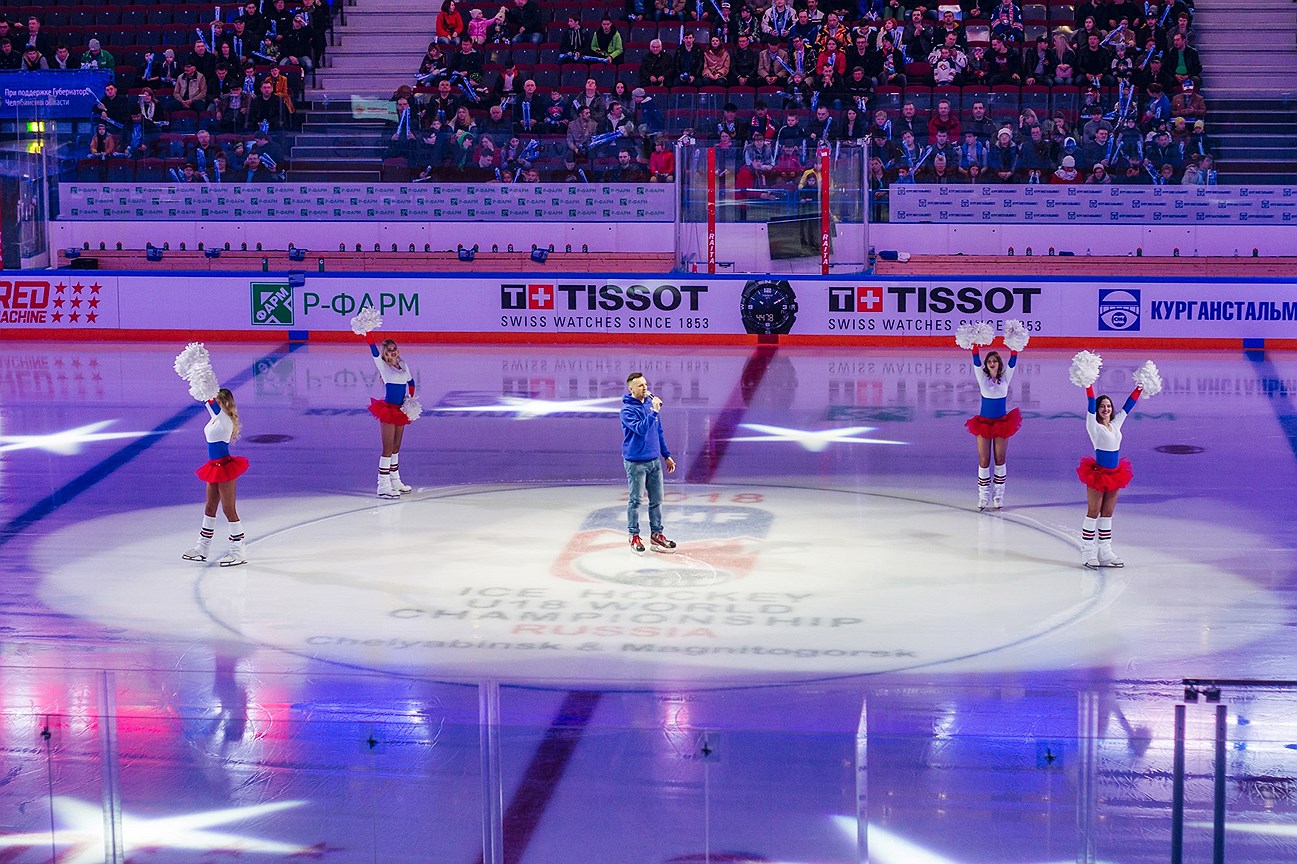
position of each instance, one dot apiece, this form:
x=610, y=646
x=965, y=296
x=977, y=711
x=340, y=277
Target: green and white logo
x=272, y=304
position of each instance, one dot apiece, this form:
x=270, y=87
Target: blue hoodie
x=642, y=439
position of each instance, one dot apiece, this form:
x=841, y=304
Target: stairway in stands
x=1249, y=58
x=377, y=50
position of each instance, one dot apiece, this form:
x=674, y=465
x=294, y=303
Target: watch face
x=768, y=306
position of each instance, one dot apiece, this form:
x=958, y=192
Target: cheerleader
x=993, y=426
x=1106, y=473
x=398, y=407
x=221, y=470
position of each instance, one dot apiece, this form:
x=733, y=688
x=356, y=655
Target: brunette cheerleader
x=1105, y=473
x=994, y=425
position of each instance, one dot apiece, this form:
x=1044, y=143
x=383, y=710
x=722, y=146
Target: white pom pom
x=1085, y=368
x=411, y=408
x=1015, y=334
x=203, y=386
x=194, y=365
x=983, y=333
x=367, y=320
x=964, y=336
x=1148, y=379
x=194, y=357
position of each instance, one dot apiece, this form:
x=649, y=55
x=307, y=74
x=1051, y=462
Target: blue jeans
x=646, y=475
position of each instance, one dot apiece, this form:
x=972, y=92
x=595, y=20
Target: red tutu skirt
x=223, y=469
x=1103, y=479
x=386, y=412
x=998, y=427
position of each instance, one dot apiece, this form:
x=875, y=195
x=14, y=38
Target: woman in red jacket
x=450, y=24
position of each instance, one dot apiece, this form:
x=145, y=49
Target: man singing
x=643, y=450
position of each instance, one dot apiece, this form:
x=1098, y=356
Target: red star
x=60, y=288
x=76, y=362
x=94, y=302
x=76, y=302
x=94, y=361
x=91, y=316
x=74, y=316
x=94, y=289
x=77, y=288
x=56, y=318
x=59, y=301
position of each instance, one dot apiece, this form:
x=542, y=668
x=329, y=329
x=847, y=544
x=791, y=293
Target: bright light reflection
x=66, y=443
x=1251, y=828
x=530, y=409
x=815, y=441
x=888, y=848
x=81, y=825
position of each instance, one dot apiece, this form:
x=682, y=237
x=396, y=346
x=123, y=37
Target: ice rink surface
x=840, y=637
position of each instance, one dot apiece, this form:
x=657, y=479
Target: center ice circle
x=535, y=583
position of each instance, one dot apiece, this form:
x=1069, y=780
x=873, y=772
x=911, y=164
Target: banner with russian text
x=58, y=95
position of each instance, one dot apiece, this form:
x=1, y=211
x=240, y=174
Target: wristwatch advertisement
x=768, y=306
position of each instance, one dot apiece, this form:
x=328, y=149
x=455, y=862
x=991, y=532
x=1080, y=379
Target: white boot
x=199, y=552
x=385, y=488
x=237, y=554
x=983, y=488
x=1089, y=554
x=1107, y=558
x=395, y=474
x=997, y=495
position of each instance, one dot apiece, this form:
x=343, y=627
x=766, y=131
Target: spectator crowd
x=1106, y=91
x=211, y=104
x=975, y=91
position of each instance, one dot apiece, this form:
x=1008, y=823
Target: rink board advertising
x=517, y=307
x=387, y=202
x=1093, y=205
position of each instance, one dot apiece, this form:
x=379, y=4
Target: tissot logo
x=527, y=296
x=860, y=298
x=574, y=297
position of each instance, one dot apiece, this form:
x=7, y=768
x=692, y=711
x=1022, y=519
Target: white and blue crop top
x=1107, y=439
x=397, y=383
x=995, y=394
x=218, y=431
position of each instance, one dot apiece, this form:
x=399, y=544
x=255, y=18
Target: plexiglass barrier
x=32, y=139
x=189, y=765
x=802, y=196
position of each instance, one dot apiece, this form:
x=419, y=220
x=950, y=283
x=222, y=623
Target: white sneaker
x=398, y=485
x=198, y=553
x=385, y=488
